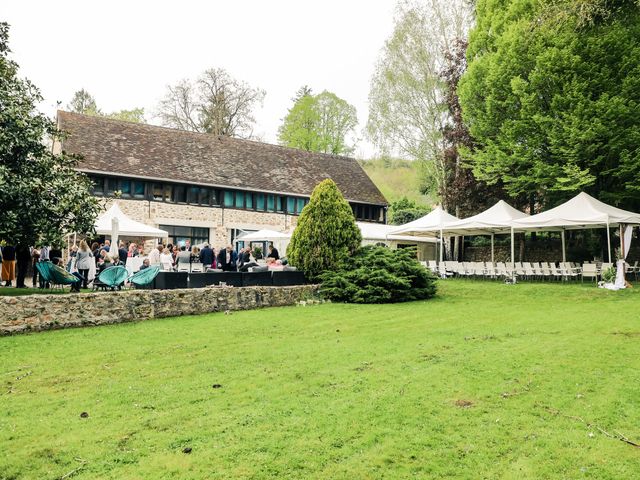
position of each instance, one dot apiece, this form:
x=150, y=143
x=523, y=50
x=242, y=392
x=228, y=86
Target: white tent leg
x=513, y=250
x=492, y=235
x=608, y=241
x=441, y=247
x=564, y=249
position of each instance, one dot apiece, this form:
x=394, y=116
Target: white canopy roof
x=265, y=234
x=429, y=225
x=126, y=226
x=496, y=219
x=379, y=231
x=582, y=211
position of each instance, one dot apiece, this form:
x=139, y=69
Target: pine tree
x=326, y=233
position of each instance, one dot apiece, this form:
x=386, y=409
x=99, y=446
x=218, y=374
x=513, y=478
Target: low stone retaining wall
x=45, y=312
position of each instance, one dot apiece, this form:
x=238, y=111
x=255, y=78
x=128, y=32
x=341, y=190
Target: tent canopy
x=127, y=227
x=582, y=211
x=381, y=232
x=429, y=225
x=497, y=219
x=263, y=235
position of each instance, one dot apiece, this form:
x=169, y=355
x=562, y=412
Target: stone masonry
x=217, y=219
x=45, y=312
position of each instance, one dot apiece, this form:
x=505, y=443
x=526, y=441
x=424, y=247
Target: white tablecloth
x=133, y=264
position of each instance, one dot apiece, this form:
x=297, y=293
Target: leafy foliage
x=214, y=103
x=83, y=102
x=326, y=233
x=404, y=210
x=379, y=275
x=407, y=109
x=551, y=96
x=41, y=195
x=319, y=123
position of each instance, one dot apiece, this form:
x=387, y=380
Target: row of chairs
x=109, y=278
x=523, y=270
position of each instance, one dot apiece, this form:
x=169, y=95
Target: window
x=111, y=185
x=179, y=235
x=271, y=203
x=291, y=205
x=98, y=185
x=260, y=201
x=248, y=200
x=168, y=190
x=179, y=194
x=157, y=192
x=300, y=204
x=125, y=187
x=192, y=194
x=279, y=204
x=203, y=196
x=228, y=198
x=239, y=203
x=138, y=189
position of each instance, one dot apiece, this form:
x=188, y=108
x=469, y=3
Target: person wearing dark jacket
x=273, y=253
x=23, y=257
x=207, y=258
x=227, y=259
x=123, y=253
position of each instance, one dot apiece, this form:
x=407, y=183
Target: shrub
x=326, y=232
x=404, y=211
x=379, y=275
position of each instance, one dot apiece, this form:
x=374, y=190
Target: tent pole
x=513, y=255
x=441, y=246
x=564, y=250
x=492, y=235
x=608, y=241
x=624, y=257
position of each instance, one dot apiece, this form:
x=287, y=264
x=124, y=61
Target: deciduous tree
x=319, y=123
x=551, y=97
x=41, y=195
x=214, y=103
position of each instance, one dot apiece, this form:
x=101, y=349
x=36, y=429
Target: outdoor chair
x=43, y=270
x=112, y=277
x=634, y=269
x=433, y=266
x=589, y=270
x=183, y=267
x=568, y=273
x=144, y=278
x=59, y=277
x=197, y=267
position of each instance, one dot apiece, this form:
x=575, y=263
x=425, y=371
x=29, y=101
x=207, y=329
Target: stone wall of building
x=45, y=312
x=218, y=220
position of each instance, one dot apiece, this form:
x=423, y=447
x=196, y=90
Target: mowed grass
x=485, y=381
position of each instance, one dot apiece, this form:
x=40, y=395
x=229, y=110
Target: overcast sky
x=125, y=53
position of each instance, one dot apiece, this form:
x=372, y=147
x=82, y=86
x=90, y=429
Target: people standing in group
x=107, y=245
x=95, y=250
x=227, y=259
x=133, y=250
x=183, y=257
x=35, y=258
x=55, y=252
x=273, y=252
x=123, y=253
x=44, y=257
x=154, y=255
x=84, y=257
x=207, y=257
x=166, y=260
x=8, y=264
x=23, y=256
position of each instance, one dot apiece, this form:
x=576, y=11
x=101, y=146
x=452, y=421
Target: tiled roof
x=147, y=151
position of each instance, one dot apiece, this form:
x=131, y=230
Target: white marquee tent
x=497, y=219
x=431, y=225
x=581, y=212
x=126, y=226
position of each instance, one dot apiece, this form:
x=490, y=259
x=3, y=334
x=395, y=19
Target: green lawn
x=485, y=381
